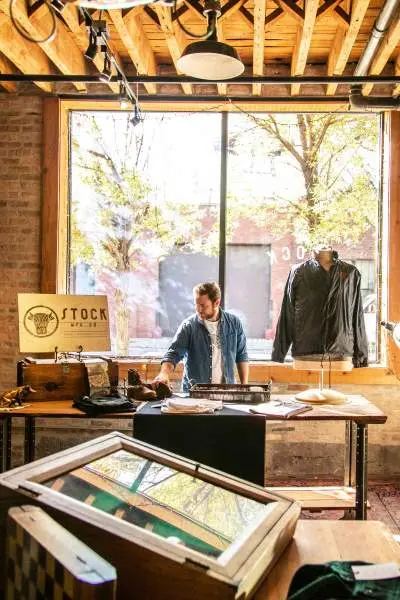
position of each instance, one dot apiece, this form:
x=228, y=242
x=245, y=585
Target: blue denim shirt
x=192, y=345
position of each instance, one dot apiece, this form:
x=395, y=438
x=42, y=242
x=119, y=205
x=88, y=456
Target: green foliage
x=81, y=249
x=333, y=156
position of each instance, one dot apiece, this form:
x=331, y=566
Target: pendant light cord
x=210, y=29
x=22, y=31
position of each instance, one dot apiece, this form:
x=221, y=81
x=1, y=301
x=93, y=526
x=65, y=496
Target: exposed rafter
x=303, y=41
x=259, y=41
x=62, y=50
x=284, y=38
x=7, y=67
x=396, y=91
x=79, y=34
x=386, y=48
x=344, y=42
x=27, y=57
x=174, y=38
x=135, y=40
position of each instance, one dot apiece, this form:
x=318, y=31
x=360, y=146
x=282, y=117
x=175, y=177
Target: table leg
x=5, y=444
x=350, y=455
x=361, y=470
x=29, y=442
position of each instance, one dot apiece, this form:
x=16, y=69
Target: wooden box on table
x=172, y=528
x=63, y=380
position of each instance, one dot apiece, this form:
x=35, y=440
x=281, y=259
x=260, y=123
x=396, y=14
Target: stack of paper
x=280, y=408
x=190, y=406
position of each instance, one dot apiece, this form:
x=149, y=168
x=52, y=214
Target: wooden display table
x=357, y=414
x=317, y=542
x=186, y=435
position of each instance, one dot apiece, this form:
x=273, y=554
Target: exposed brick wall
x=20, y=201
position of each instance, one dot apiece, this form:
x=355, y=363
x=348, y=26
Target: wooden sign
x=65, y=322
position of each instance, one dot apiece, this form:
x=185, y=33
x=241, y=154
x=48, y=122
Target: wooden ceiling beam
x=385, y=50
x=78, y=32
x=327, y=7
x=133, y=37
x=342, y=16
x=174, y=37
x=259, y=42
x=26, y=56
x=303, y=42
x=230, y=8
x=274, y=16
x=342, y=47
x=195, y=7
x=62, y=50
x=6, y=67
x=290, y=7
x=248, y=17
x=396, y=91
x=237, y=8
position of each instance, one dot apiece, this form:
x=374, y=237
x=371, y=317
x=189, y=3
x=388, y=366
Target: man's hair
x=212, y=290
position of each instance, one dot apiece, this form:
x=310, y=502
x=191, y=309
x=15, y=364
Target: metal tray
x=230, y=392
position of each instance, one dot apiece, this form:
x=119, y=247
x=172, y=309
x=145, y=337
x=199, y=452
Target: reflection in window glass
x=145, y=214
x=174, y=505
x=295, y=181
x=144, y=219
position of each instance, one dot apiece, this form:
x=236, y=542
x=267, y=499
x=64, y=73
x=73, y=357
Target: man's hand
x=163, y=376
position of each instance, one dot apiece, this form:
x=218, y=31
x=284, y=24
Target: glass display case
x=165, y=523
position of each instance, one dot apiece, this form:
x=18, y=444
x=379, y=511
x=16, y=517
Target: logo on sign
x=40, y=321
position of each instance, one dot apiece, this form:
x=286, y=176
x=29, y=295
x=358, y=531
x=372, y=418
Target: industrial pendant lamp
x=210, y=59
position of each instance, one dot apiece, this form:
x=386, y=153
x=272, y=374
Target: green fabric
x=335, y=581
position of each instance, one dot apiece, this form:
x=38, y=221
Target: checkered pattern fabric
x=32, y=572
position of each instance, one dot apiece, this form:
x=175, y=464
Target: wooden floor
x=384, y=503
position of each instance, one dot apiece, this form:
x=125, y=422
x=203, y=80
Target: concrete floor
x=384, y=500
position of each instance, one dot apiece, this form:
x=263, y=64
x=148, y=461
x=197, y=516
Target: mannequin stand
x=322, y=394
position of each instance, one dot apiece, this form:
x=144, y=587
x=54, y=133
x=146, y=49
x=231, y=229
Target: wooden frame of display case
x=163, y=570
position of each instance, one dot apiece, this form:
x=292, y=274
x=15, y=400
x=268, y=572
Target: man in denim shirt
x=209, y=343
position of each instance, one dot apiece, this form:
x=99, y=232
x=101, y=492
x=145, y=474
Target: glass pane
x=174, y=505
x=144, y=219
x=295, y=181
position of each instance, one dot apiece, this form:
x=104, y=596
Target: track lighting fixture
x=92, y=48
x=124, y=100
x=136, y=118
x=107, y=70
x=210, y=59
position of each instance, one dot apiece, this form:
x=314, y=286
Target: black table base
x=228, y=440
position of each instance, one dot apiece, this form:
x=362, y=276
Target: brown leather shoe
x=134, y=377
x=140, y=392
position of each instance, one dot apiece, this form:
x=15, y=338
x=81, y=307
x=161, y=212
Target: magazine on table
x=280, y=408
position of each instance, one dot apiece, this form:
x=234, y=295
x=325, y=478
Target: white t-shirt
x=213, y=330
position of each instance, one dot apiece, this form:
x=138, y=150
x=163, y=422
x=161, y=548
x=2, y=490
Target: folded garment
x=191, y=406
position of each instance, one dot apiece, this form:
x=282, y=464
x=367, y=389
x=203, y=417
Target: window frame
x=55, y=232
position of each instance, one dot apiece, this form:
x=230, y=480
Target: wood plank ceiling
x=272, y=37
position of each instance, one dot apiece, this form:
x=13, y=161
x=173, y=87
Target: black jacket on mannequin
x=322, y=314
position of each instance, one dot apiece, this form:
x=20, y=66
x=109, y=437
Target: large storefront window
x=146, y=204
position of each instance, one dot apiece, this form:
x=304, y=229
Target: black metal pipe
x=217, y=100
x=222, y=207
x=160, y=79
x=365, y=103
